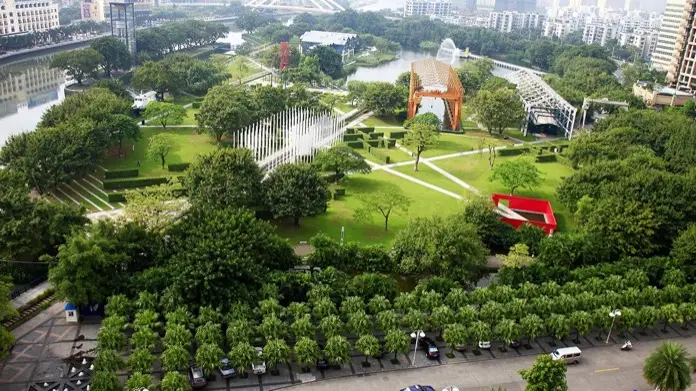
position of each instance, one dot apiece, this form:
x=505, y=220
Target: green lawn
x=344, y=107
x=188, y=145
x=516, y=133
x=247, y=69
x=474, y=171
x=395, y=155
x=190, y=119
x=449, y=143
x=383, y=121
x=427, y=174
x=424, y=203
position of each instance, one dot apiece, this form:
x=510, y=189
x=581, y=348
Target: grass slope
x=424, y=202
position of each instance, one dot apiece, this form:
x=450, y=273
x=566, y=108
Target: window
x=71, y=313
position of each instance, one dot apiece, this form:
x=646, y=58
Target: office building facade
x=667, y=38
x=27, y=16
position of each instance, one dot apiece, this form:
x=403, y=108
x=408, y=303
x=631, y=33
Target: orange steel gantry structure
x=434, y=79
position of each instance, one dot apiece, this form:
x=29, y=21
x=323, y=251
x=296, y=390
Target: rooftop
x=326, y=37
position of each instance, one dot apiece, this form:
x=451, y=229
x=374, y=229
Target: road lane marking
x=606, y=370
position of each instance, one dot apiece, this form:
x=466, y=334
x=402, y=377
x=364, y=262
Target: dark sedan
x=418, y=388
x=431, y=350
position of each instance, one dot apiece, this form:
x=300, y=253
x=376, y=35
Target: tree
x=306, y=351
x=165, y=113
x=108, y=360
x=430, y=119
x=276, y=352
x=159, y=147
x=330, y=62
x=174, y=381
x=387, y=320
x=455, y=335
x=273, y=328
x=378, y=304
x=396, y=341
x=144, y=339
x=415, y=319
x=120, y=127
x=382, y=98
x=513, y=174
x=238, y=331
x=226, y=109
x=175, y=357
x=545, y=374
x=532, y=326
x=359, y=322
x=498, y=110
x=115, y=54
x=116, y=87
x=208, y=356
x=303, y=327
x=369, y=346
x=78, y=63
x=352, y=304
x=420, y=137
x=518, y=257
x=141, y=360
x=667, y=367
x=441, y=317
x=559, y=326
x=209, y=333
x=323, y=307
x=508, y=331
x=225, y=177
x=341, y=159
x=384, y=201
x=684, y=247
x=296, y=190
x=106, y=381
x=139, y=381
x=582, y=321
x=479, y=331
x=337, y=350
x=156, y=76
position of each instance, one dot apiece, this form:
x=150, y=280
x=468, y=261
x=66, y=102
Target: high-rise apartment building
x=643, y=39
x=92, y=10
x=682, y=69
x=669, y=30
x=631, y=5
x=440, y=8
x=26, y=16
x=507, y=21
x=599, y=33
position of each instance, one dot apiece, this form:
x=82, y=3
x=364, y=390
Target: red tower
x=284, y=55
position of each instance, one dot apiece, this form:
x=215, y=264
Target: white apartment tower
x=439, y=8
x=599, y=33
x=682, y=70
x=667, y=38
x=507, y=21
x=25, y=16
x=93, y=10
x=643, y=39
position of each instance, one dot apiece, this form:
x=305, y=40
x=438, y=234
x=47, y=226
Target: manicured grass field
x=188, y=145
x=427, y=174
x=474, y=170
x=248, y=69
x=383, y=121
x=190, y=119
x=452, y=143
x=516, y=133
x=395, y=155
x=424, y=202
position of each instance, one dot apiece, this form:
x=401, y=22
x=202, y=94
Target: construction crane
x=604, y=101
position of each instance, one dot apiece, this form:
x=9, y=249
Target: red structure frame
x=284, y=55
x=524, y=204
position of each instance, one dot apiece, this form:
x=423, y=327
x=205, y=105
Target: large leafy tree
x=667, y=367
x=156, y=76
x=545, y=374
x=396, y=341
x=498, y=110
x=276, y=352
x=341, y=159
x=225, y=111
x=296, y=190
x=139, y=381
x=306, y=351
x=514, y=174
x=384, y=201
x=120, y=127
x=165, y=113
x=208, y=356
x=78, y=63
x=106, y=381
x=225, y=177
x=174, y=381
x=243, y=356
x=368, y=345
x=114, y=53
x=159, y=147
x=208, y=243
x=383, y=98
x=420, y=136
x=175, y=358
x=337, y=350
x=330, y=62
x=455, y=335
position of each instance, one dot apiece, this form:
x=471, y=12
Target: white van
x=570, y=355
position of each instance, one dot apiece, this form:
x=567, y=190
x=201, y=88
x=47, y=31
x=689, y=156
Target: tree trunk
x=395, y=353
x=162, y=157
x=297, y=221
x=120, y=146
x=415, y=167
x=386, y=223
x=338, y=176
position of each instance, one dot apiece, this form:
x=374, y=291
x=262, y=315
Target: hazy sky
x=653, y=5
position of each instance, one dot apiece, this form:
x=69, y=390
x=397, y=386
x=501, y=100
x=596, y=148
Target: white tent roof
x=326, y=37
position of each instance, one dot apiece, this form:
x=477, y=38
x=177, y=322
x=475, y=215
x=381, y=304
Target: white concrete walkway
x=31, y=294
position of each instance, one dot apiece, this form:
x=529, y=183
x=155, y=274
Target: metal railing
x=18, y=291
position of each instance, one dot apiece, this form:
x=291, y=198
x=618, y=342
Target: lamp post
x=416, y=334
x=614, y=314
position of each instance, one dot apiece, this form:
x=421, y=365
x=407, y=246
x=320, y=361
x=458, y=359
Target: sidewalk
x=31, y=294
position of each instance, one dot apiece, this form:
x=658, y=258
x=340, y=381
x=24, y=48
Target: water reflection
x=27, y=89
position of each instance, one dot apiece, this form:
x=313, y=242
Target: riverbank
x=370, y=60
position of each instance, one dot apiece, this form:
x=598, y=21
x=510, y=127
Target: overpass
x=501, y=64
x=311, y=6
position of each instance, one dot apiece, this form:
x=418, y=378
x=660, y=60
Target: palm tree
x=667, y=368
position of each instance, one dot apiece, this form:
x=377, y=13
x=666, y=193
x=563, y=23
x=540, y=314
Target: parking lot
x=48, y=348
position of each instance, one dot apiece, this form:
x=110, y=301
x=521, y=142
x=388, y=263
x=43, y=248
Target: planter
x=366, y=364
x=275, y=372
x=395, y=361
x=477, y=352
x=244, y=375
x=306, y=370
x=528, y=346
x=449, y=355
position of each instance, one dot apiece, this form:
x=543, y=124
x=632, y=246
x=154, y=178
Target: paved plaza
x=51, y=354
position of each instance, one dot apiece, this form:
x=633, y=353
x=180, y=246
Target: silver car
x=226, y=369
x=259, y=369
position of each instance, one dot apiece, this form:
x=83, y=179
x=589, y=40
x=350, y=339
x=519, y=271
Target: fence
x=17, y=291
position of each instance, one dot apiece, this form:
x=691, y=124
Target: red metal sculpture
x=284, y=55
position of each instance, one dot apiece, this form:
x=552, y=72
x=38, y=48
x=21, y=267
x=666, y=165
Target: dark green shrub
x=352, y=137
x=376, y=135
x=134, y=182
x=196, y=105
x=398, y=134
x=339, y=192
x=513, y=151
x=388, y=142
x=379, y=154
x=178, y=167
x=366, y=129
x=113, y=174
x=116, y=197
x=545, y=158
x=357, y=144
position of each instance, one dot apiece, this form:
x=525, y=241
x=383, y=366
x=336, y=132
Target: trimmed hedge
x=380, y=155
x=376, y=135
x=512, y=151
x=352, y=137
x=196, y=105
x=350, y=131
x=366, y=129
x=373, y=143
x=116, y=197
x=339, y=192
x=178, y=167
x=134, y=182
x=357, y=144
x=545, y=158
x=113, y=174
x=398, y=134
x=388, y=142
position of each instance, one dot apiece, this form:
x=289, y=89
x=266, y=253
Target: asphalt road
x=603, y=368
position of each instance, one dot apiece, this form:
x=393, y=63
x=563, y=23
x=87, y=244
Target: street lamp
x=614, y=314
x=416, y=334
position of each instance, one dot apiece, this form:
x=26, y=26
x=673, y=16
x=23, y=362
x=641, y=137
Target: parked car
x=226, y=369
x=259, y=369
x=570, y=355
x=431, y=350
x=484, y=344
x=515, y=344
x=418, y=388
x=196, y=377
